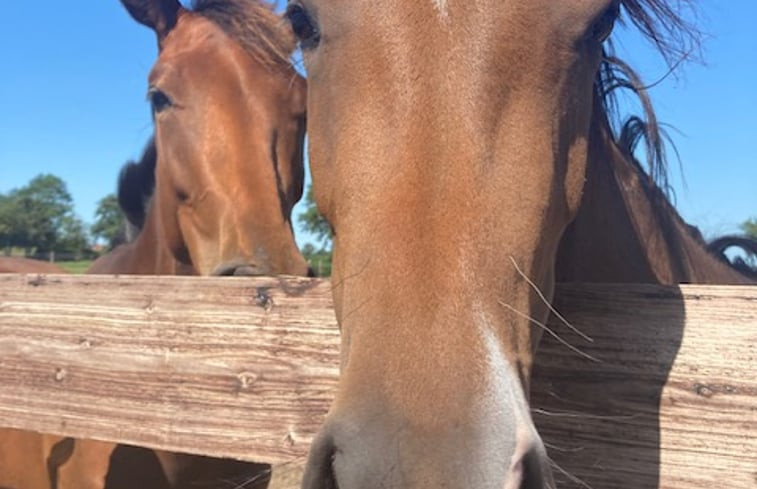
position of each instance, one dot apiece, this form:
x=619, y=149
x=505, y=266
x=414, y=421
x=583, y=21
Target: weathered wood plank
x=246, y=368
x=666, y=406
x=243, y=368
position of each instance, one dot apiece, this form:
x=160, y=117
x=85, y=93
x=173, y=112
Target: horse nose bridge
x=264, y=239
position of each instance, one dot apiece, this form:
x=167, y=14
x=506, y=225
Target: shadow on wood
x=638, y=418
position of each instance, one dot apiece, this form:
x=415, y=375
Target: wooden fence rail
x=246, y=368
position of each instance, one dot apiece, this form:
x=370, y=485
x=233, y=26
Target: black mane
x=746, y=243
x=136, y=184
x=662, y=23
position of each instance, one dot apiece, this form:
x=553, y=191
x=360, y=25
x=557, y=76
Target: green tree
x=39, y=217
x=319, y=260
x=43, y=205
x=750, y=227
x=314, y=222
x=72, y=237
x=9, y=225
x=109, y=222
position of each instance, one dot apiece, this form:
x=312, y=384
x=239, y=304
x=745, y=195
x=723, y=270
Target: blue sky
x=72, y=103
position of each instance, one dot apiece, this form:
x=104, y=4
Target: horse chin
x=236, y=268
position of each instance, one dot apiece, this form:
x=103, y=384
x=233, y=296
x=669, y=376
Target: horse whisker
x=561, y=449
x=253, y=479
x=548, y=330
x=570, y=476
x=549, y=305
x=568, y=414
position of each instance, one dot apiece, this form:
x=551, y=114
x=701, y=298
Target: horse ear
x=158, y=15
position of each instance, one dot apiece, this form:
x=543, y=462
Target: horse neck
x=152, y=255
x=627, y=231
x=147, y=254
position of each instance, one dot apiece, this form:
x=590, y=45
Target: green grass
x=75, y=266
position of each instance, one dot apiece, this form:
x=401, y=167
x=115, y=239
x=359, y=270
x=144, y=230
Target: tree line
x=39, y=219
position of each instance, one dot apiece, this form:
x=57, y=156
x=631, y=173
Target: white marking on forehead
x=441, y=6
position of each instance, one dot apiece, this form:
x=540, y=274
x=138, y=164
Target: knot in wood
x=263, y=299
x=36, y=281
x=289, y=439
x=60, y=374
x=704, y=391
x=246, y=379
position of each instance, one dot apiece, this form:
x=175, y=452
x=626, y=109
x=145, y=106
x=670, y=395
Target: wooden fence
x=246, y=368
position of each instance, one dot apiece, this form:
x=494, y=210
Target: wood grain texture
x=246, y=368
x=666, y=406
x=243, y=368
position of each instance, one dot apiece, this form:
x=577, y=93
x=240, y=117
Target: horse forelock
x=254, y=25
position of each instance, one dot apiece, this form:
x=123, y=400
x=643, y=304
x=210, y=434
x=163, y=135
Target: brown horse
x=626, y=229
x=229, y=115
x=14, y=264
x=448, y=146
x=214, y=191
x=212, y=194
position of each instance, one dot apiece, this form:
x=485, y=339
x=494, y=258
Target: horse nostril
x=531, y=471
x=319, y=471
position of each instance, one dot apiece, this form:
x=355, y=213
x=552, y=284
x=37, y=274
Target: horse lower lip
x=245, y=271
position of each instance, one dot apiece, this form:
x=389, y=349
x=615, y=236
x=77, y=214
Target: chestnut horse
x=229, y=115
x=214, y=191
x=212, y=194
x=14, y=264
x=626, y=230
x=449, y=142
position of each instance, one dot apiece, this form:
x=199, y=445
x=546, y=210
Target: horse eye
x=303, y=26
x=159, y=101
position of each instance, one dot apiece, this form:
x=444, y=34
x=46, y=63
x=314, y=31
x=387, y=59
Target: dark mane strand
x=615, y=76
x=656, y=141
x=254, y=25
x=747, y=244
x=136, y=184
x=663, y=24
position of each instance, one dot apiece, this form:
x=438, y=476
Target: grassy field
x=75, y=266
